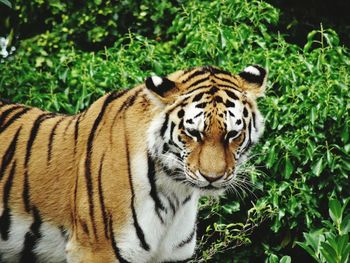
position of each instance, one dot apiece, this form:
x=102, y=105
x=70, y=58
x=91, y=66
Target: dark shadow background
x=299, y=17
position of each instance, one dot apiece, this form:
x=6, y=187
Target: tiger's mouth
x=199, y=181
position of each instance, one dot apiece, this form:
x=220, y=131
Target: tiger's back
x=120, y=181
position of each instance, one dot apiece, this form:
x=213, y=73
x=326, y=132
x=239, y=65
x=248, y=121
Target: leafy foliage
x=304, y=157
x=331, y=243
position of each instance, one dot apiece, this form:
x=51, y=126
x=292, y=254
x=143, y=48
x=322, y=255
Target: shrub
x=331, y=243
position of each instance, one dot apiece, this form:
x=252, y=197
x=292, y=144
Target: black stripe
x=102, y=202
x=201, y=105
x=188, y=198
x=7, y=112
x=249, y=144
x=252, y=78
x=245, y=112
x=128, y=102
x=138, y=229
x=16, y=116
x=194, y=74
x=254, y=120
x=232, y=95
x=214, y=70
x=30, y=142
x=5, y=219
x=172, y=206
x=114, y=243
x=64, y=232
x=153, y=193
x=230, y=104
x=244, y=136
x=69, y=123
x=75, y=214
x=198, y=114
x=76, y=131
x=25, y=193
x=227, y=80
x=177, y=202
x=198, y=97
x=188, y=239
x=51, y=138
x=172, y=127
x=89, y=187
x=197, y=89
x=10, y=152
x=31, y=239
x=228, y=87
x=33, y=134
x=175, y=144
x=5, y=223
x=198, y=82
x=164, y=126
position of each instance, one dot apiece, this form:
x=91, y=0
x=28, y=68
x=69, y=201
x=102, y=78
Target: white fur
x=153, y=140
x=162, y=237
x=14, y=245
x=157, y=80
x=238, y=114
x=252, y=70
x=49, y=249
x=190, y=112
x=51, y=245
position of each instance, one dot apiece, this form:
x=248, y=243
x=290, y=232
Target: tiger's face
x=209, y=121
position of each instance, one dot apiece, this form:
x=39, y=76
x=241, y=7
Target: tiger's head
x=207, y=122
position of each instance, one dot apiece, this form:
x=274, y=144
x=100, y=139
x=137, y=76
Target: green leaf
x=288, y=168
x=231, y=207
x=318, y=167
x=345, y=254
x=345, y=134
x=309, y=250
x=272, y=259
x=329, y=253
x=6, y=2
x=286, y=259
x=314, y=238
x=347, y=200
x=335, y=210
x=342, y=241
x=313, y=115
x=345, y=225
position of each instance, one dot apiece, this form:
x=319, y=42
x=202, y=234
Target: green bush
x=93, y=24
x=304, y=157
x=331, y=243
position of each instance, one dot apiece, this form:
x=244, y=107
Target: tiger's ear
x=161, y=88
x=254, y=80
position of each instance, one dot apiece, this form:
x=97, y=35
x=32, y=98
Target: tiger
x=121, y=181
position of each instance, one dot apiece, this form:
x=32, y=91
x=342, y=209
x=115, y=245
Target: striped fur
x=120, y=181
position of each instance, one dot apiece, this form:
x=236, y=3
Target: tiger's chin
x=207, y=188
x=211, y=190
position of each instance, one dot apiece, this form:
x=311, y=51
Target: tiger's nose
x=211, y=178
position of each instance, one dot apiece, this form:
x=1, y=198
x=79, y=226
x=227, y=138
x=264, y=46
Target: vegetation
x=302, y=165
